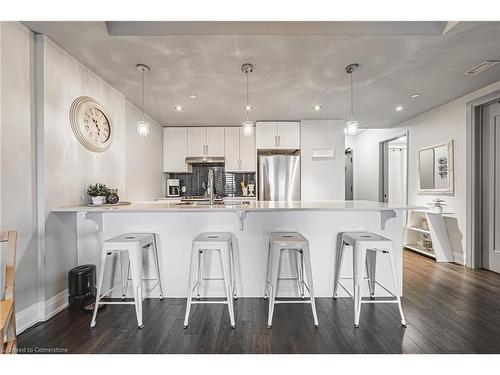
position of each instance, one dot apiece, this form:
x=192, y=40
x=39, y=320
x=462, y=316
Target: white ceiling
x=296, y=66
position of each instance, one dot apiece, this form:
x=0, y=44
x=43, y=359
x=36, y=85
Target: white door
x=491, y=187
x=266, y=135
x=174, y=150
x=232, y=149
x=196, y=141
x=247, y=153
x=215, y=142
x=289, y=135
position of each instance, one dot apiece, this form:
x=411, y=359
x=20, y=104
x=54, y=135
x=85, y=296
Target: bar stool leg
x=135, y=256
x=201, y=272
x=194, y=257
x=359, y=259
x=307, y=261
x=371, y=264
x=159, y=275
x=226, y=270
x=338, y=269
x=299, y=266
x=125, y=269
x=104, y=256
x=266, y=286
x=233, y=271
x=396, y=289
x=274, y=265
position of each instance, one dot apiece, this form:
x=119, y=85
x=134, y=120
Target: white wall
x=67, y=167
x=144, y=177
x=440, y=125
x=17, y=155
x=322, y=179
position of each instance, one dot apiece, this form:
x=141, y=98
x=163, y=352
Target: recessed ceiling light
x=399, y=108
x=317, y=107
x=193, y=96
x=179, y=107
x=413, y=96
x=248, y=108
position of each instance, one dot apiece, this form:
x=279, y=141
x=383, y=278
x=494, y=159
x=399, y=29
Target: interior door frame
x=383, y=164
x=473, y=253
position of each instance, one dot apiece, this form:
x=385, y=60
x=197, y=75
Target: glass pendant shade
x=351, y=127
x=247, y=128
x=143, y=128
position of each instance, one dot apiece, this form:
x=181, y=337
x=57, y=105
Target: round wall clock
x=91, y=124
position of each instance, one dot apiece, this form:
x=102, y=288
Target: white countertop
x=252, y=206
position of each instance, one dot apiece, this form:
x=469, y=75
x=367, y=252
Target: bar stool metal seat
x=289, y=241
x=223, y=244
x=131, y=244
x=365, y=246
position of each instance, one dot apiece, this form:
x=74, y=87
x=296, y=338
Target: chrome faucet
x=210, y=188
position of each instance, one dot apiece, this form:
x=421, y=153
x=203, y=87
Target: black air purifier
x=81, y=286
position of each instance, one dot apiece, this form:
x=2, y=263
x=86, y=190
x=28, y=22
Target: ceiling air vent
x=481, y=67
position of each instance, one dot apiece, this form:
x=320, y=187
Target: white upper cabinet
x=278, y=135
x=215, y=142
x=196, y=142
x=288, y=135
x=232, y=149
x=267, y=135
x=175, y=147
x=239, y=151
x=247, y=153
x=205, y=142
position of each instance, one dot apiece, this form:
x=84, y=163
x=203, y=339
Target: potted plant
x=98, y=193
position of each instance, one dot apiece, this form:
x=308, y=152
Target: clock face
x=91, y=124
x=96, y=125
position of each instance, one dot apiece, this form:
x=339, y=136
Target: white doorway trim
x=473, y=253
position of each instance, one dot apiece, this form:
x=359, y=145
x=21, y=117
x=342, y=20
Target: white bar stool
x=289, y=241
x=132, y=244
x=365, y=247
x=223, y=244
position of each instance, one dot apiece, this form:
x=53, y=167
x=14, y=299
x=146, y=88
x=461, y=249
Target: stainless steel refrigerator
x=279, y=178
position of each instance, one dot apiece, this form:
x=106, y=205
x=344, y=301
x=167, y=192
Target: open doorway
x=349, y=177
x=393, y=170
x=490, y=185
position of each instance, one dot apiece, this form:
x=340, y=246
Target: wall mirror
x=435, y=169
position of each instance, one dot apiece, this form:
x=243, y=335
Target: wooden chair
x=8, y=339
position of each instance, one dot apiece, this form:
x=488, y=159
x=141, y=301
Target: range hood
x=205, y=160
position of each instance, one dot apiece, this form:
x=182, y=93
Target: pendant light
x=247, y=124
x=352, y=124
x=143, y=125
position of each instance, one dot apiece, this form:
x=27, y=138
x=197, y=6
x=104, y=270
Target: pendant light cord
x=352, y=97
x=142, y=85
x=246, y=108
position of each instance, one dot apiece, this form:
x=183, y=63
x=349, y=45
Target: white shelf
x=421, y=250
x=422, y=230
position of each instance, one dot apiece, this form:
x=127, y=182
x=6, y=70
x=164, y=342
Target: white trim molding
x=41, y=311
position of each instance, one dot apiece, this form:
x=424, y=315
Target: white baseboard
x=41, y=311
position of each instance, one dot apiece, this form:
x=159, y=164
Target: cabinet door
x=174, y=149
x=289, y=135
x=247, y=153
x=266, y=135
x=196, y=141
x=232, y=149
x=215, y=142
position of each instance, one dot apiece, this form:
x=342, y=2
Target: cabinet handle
x=275, y=141
x=279, y=140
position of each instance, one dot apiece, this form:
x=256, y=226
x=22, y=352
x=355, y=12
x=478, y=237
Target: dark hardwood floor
x=449, y=309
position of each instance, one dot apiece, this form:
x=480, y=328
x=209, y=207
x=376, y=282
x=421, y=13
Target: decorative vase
x=99, y=200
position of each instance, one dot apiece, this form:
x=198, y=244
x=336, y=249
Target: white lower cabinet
x=239, y=151
x=175, y=148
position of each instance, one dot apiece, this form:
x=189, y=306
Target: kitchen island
x=251, y=223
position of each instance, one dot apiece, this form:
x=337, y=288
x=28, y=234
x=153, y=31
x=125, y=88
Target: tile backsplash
x=225, y=183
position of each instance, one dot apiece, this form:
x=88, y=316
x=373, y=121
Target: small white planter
x=97, y=201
